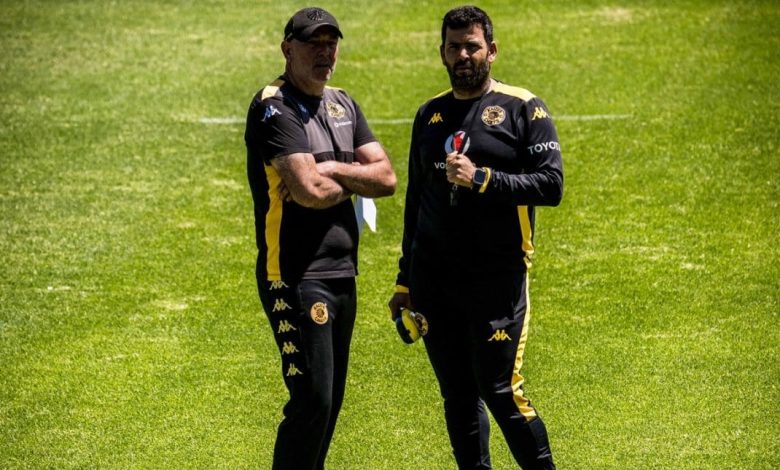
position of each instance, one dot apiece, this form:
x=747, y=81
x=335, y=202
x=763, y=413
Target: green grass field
x=131, y=335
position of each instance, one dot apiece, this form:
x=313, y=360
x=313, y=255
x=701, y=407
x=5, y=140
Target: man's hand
x=284, y=193
x=303, y=184
x=398, y=301
x=328, y=168
x=460, y=169
x=370, y=175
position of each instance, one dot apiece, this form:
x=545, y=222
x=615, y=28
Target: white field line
x=591, y=117
x=222, y=120
x=398, y=121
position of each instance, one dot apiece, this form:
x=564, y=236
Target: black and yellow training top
x=488, y=230
x=295, y=242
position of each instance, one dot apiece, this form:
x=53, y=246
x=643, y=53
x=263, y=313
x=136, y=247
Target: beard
x=480, y=73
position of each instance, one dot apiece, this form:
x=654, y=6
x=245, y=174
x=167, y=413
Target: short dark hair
x=465, y=16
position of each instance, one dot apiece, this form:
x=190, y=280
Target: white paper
x=365, y=212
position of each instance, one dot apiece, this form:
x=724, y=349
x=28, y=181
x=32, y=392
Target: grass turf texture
x=130, y=331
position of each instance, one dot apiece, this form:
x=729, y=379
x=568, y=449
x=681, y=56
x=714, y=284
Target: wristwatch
x=479, y=179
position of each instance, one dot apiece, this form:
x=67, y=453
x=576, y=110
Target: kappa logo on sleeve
x=270, y=112
x=540, y=113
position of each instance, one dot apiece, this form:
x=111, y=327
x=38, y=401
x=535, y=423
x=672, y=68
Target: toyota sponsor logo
x=543, y=147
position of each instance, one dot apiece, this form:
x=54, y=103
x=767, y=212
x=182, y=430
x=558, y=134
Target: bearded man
x=483, y=156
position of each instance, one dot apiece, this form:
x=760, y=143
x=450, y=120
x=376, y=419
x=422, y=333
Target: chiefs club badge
x=493, y=115
x=457, y=142
x=335, y=110
x=319, y=313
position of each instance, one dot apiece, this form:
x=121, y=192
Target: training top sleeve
x=541, y=183
x=412, y=206
x=275, y=130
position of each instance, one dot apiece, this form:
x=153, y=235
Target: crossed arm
x=325, y=184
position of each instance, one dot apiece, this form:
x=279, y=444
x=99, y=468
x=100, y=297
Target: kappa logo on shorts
x=493, y=115
x=285, y=327
x=293, y=370
x=280, y=304
x=277, y=285
x=500, y=335
x=319, y=313
x=289, y=348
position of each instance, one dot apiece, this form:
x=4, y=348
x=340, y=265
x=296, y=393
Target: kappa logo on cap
x=303, y=24
x=315, y=14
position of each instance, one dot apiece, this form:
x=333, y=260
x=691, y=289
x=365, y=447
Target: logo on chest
x=335, y=110
x=493, y=115
x=457, y=142
x=435, y=119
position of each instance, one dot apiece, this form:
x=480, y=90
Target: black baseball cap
x=306, y=21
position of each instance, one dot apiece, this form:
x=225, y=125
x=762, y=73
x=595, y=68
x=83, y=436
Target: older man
x=309, y=150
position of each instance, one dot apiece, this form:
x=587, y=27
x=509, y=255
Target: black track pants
x=475, y=343
x=312, y=322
